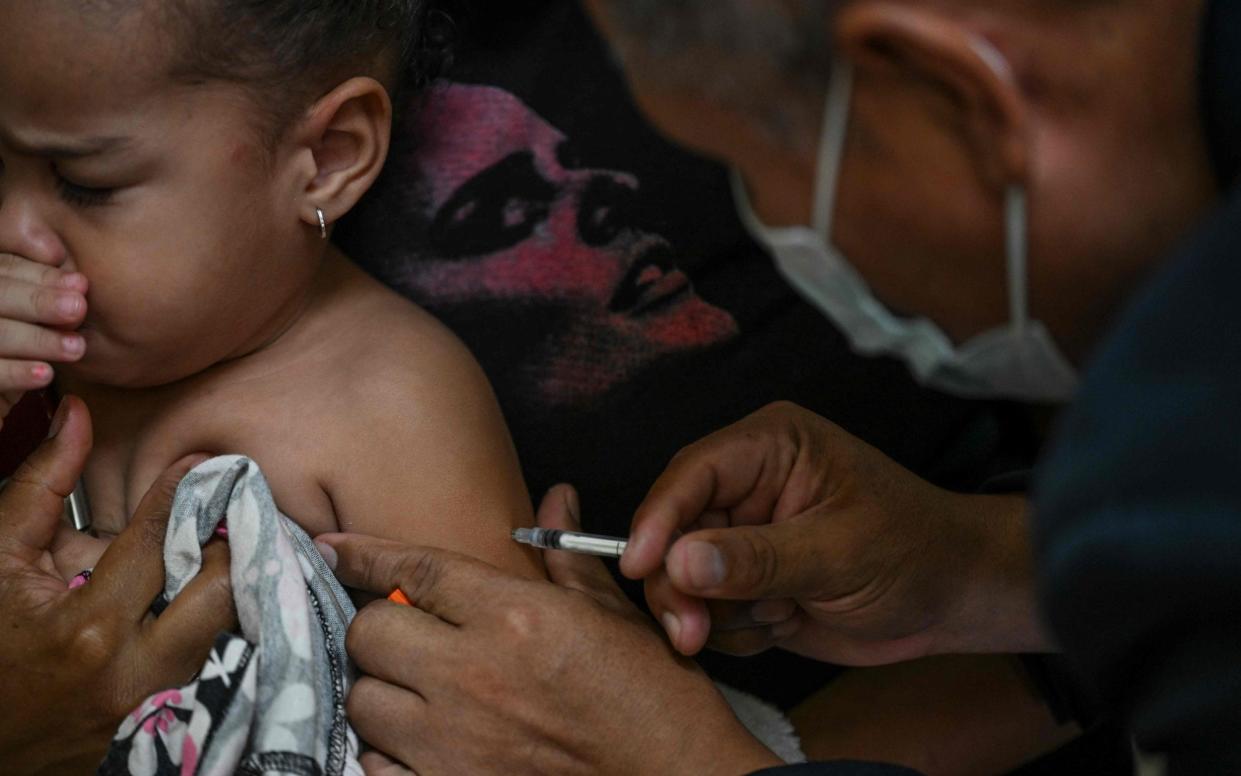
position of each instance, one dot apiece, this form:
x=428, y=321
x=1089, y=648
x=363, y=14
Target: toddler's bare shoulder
x=401, y=362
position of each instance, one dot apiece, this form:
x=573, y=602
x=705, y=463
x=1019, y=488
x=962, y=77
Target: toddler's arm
x=39, y=306
x=428, y=459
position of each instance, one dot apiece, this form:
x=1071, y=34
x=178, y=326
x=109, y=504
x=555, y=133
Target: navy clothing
x=1139, y=511
x=1138, y=505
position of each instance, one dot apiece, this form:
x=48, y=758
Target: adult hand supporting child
x=74, y=662
x=39, y=304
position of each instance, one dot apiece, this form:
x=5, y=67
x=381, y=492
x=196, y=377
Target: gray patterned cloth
x=270, y=700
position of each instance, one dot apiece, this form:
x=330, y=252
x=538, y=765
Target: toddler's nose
x=25, y=234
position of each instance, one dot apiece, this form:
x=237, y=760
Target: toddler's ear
x=348, y=132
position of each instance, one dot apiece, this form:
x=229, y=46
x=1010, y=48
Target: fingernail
x=706, y=565
x=69, y=305
x=672, y=625
x=42, y=373
x=328, y=553
x=73, y=345
x=58, y=420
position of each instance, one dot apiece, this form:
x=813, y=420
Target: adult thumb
x=748, y=563
x=33, y=502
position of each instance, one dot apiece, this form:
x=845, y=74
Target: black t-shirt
x=603, y=280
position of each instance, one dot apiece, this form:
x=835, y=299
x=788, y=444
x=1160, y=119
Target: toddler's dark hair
x=288, y=53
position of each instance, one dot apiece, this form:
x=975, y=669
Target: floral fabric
x=270, y=700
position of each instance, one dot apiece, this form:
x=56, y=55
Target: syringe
x=571, y=541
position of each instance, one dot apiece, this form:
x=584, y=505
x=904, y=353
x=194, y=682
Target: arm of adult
x=547, y=677
x=74, y=662
x=785, y=530
x=39, y=306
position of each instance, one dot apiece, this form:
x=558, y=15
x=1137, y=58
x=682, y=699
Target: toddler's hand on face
x=40, y=306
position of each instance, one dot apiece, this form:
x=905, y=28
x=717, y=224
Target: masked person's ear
x=965, y=82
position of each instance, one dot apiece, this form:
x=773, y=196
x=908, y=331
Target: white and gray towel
x=272, y=699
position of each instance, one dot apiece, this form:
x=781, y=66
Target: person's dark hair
x=290, y=52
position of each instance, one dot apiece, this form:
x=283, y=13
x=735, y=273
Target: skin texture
x=74, y=662
x=218, y=318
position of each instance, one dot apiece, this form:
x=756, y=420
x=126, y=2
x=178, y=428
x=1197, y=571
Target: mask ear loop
x=1016, y=214
x=1017, y=248
x=832, y=147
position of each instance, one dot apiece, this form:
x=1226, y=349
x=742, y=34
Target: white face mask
x=1017, y=361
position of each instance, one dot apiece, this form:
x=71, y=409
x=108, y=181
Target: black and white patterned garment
x=272, y=699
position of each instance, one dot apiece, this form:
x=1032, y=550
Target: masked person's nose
x=607, y=208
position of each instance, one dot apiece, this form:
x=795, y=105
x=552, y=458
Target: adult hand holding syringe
x=785, y=530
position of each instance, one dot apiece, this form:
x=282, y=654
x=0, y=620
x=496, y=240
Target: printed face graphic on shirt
x=513, y=228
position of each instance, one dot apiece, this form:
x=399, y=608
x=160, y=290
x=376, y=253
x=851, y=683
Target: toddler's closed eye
x=82, y=196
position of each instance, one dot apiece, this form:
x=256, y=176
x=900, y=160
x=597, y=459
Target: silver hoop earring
x=322, y=224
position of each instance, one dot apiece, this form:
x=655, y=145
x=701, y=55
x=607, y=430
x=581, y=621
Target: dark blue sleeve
x=838, y=768
x=1138, y=511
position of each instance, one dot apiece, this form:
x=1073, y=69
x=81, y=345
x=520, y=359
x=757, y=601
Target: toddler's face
x=162, y=194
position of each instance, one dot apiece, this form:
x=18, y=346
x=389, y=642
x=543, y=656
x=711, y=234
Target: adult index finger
x=717, y=473
x=131, y=573
x=443, y=583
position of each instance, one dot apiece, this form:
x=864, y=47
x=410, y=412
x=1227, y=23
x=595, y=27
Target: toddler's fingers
x=35, y=303
x=17, y=377
x=14, y=267
x=20, y=340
